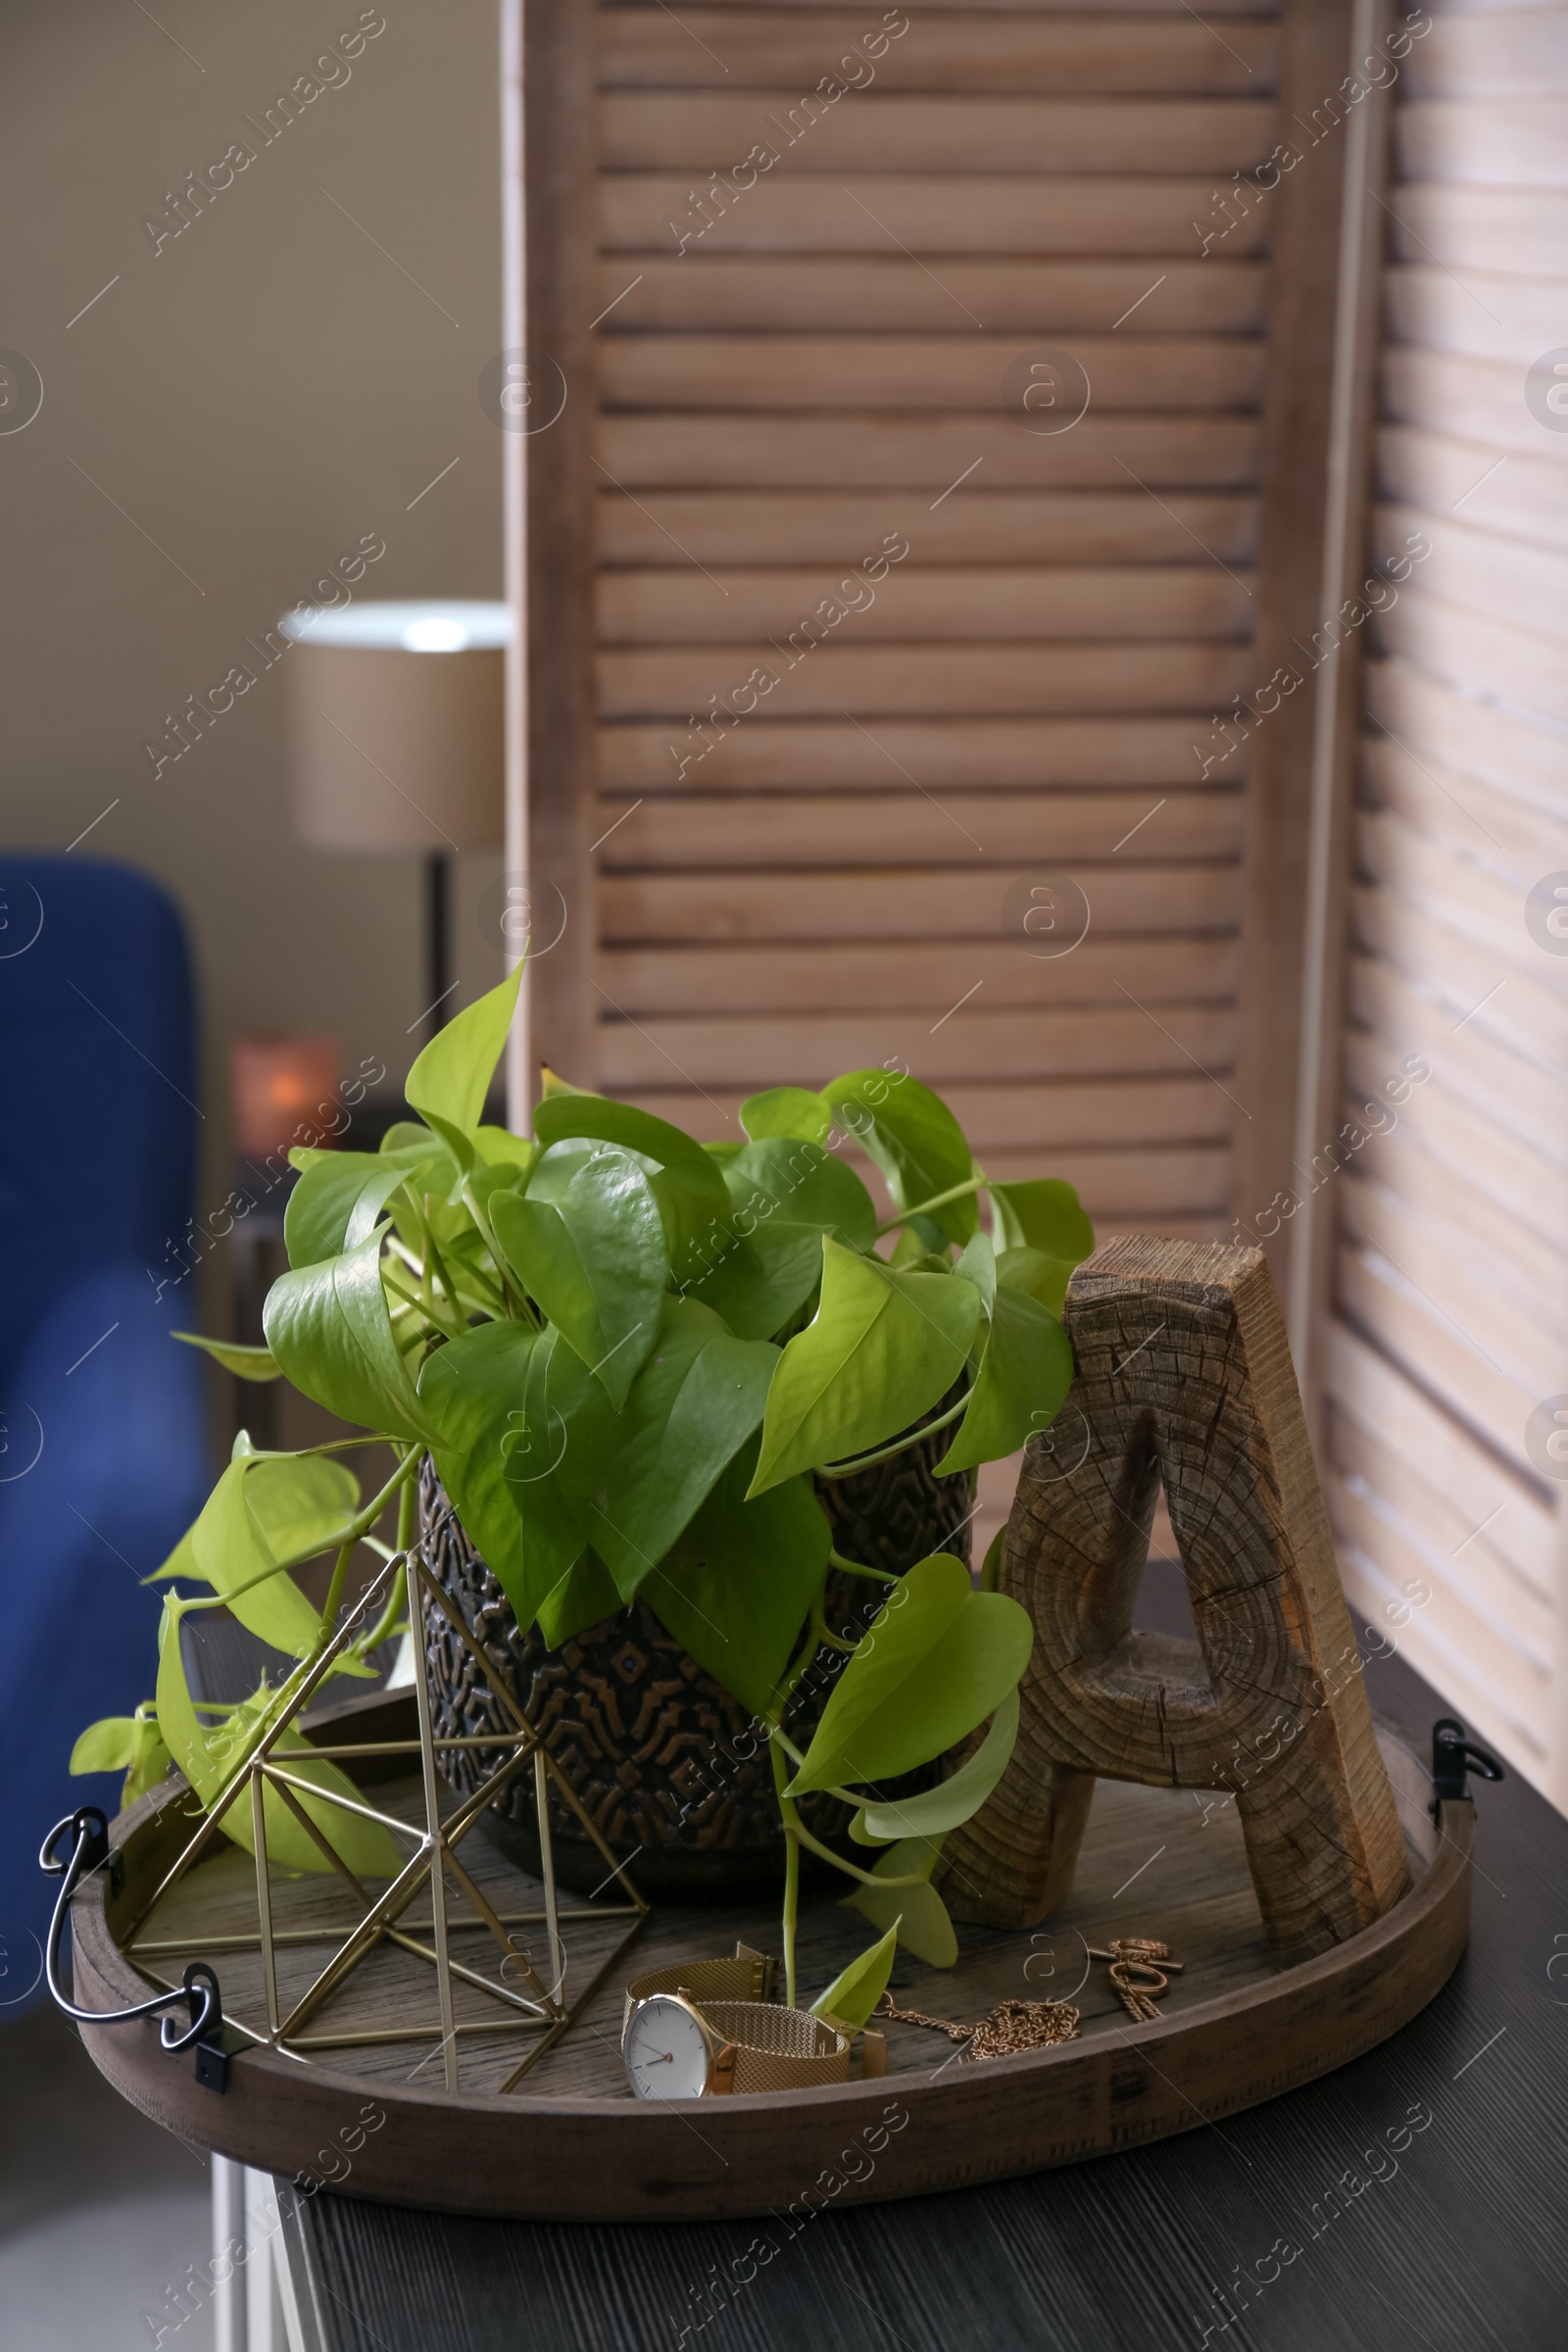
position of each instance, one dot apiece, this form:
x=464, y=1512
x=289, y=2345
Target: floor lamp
x=395, y=735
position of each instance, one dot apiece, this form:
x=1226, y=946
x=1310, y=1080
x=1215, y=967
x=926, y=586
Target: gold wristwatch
x=741, y=1976
x=705, y=2027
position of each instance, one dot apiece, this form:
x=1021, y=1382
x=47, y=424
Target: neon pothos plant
x=628, y=1353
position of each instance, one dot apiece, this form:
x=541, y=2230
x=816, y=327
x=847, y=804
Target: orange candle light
x=283, y=1091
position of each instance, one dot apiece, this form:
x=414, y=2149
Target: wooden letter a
x=1183, y=1374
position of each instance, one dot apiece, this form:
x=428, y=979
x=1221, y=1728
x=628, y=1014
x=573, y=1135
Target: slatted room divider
x=1450, y=1331
x=869, y=650
x=835, y=658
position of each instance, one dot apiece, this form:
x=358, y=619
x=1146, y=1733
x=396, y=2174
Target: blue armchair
x=103, y=1443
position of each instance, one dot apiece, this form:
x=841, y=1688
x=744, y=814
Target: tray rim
x=525, y=2156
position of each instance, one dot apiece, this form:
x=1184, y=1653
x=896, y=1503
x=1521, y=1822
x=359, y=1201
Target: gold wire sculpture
x=434, y=1861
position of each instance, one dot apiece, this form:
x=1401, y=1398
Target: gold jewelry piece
x=1010, y=2026
x=1134, y=1974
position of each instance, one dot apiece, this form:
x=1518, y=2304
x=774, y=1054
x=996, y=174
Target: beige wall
x=256, y=395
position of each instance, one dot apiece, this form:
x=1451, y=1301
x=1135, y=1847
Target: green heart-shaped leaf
x=585, y=1596
x=128, y=1744
x=786, y=1110
x=882, y=1348
x=246, y=1364
x=1025, y=1372
x=327, y=1326
x=599, y=1119
x=977, y=1263
x=500, y=1447
x=758, y=1283
x=551, y=1176
x=958, y=1798
x=229, y=1551
x=736, y=1586
x=698, y=1230
x=937, y=1659
x=406, y=1141
x=449, y=1081
x=490, y=1180
x=856, y=1989
x=322, y=1204
x=688, y=1184
x=918, y=1911
x=150, y=1760
x=1043, y=1214
x=1042, y=1277
x=105, y=1746
x=800, y=1184
x=461, y=1147
x=301, y=1502
x=499, y=1147
x=636, y=1477
x=915, y=1140
x=596, y=1262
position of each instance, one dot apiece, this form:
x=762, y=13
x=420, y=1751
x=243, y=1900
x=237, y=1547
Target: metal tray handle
x=199, y=1989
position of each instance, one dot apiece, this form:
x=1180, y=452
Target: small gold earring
x=1135, y=1976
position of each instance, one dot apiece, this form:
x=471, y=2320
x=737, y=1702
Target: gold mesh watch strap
x=745, y=1976
x=777, y=2048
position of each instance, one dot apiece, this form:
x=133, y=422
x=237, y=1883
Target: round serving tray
x=572, y=2144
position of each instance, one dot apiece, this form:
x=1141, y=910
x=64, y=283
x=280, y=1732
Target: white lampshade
x=395, y=726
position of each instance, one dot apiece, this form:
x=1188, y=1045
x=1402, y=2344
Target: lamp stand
x=437, y=929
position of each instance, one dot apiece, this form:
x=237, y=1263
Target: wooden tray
x=573, y=2144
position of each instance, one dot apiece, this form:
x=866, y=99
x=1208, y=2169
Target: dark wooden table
x=1456, y=2239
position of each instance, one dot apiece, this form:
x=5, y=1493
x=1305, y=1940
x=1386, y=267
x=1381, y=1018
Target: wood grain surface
x=924, y=371
x=992, y=212
x=778, y=831
x=702, y=129
x=780, y=49
x=971, y=604
x=1183, y=1378
x=1193, y=976
x=975, y=526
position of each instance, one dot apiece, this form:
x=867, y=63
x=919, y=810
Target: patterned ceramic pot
x=664, y=1760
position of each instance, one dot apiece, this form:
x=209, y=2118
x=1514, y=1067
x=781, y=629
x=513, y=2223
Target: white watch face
x=666, y=2050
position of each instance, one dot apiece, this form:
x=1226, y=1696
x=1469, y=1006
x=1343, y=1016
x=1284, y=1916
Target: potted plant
x=629, y=1365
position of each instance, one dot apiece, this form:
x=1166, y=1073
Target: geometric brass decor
x=526, y=2001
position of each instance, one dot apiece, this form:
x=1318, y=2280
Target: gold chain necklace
x=1009, y=2027
x=1013, y=2026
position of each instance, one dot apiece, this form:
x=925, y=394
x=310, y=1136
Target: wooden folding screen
x=835, y=658
x=795, y=784
x=1449, y=1336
